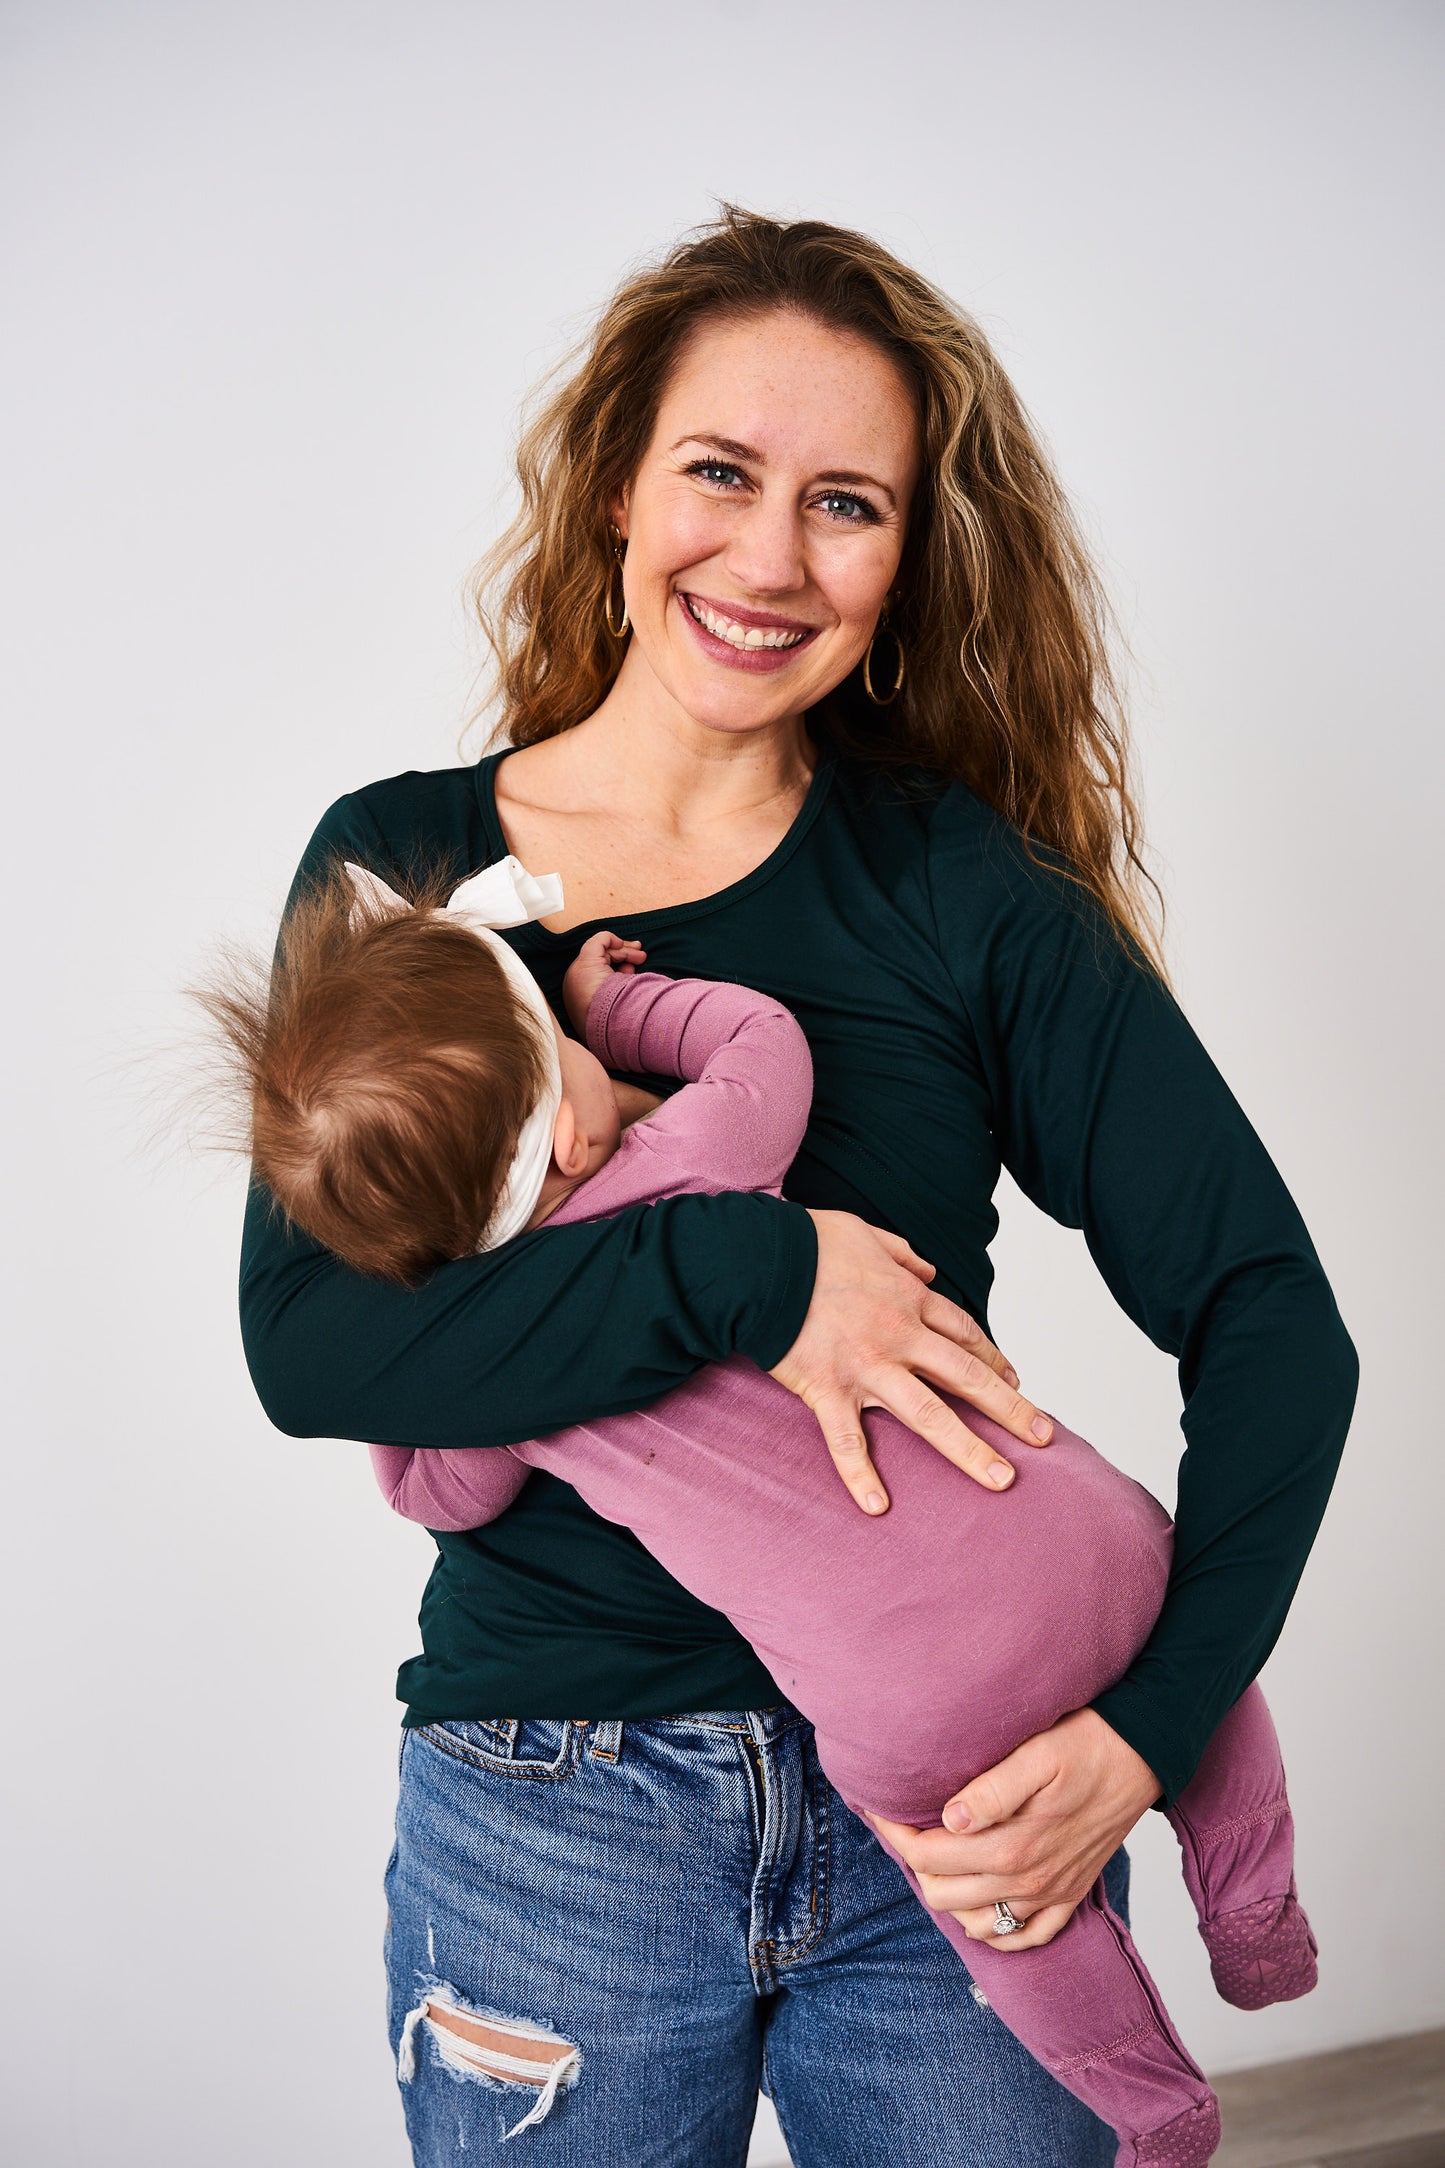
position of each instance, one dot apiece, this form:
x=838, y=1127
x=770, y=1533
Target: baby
x=415, y=1100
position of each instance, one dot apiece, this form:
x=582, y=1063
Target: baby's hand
x=600, y=955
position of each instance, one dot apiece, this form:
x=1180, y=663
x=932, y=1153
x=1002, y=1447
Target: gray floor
x=1379, y=2106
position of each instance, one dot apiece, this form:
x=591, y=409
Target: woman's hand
x=873, y=1333
x=1033, y=1832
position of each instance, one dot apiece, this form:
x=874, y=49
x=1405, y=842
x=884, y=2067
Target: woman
x=802, y=664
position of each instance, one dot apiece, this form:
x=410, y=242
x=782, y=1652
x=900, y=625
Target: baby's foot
x=1188, y=2142
x=1263, y=1953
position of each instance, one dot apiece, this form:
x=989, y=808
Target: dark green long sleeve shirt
x=966, y=1009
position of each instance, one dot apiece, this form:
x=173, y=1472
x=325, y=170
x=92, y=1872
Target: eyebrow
x=735, y=450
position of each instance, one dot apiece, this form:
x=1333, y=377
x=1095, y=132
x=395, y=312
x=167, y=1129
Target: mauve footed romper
x=926, y=1644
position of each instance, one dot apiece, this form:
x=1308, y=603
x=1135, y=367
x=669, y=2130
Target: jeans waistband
x=762, y=1725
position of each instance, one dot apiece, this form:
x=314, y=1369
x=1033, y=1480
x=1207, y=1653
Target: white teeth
x=742, y=636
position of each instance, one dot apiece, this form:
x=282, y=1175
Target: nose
x=765, y=550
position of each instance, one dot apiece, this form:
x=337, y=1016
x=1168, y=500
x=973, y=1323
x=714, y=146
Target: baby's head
x=393, y=1066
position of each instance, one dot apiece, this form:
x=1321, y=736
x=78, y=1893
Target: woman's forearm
x=562, y=1325
x=1252, y=1493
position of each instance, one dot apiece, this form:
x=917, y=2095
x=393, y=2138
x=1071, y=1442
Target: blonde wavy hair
x=1010, y=686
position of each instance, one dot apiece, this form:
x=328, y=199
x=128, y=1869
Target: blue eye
x=844, y=506
x=863, y=512
x=710, y=468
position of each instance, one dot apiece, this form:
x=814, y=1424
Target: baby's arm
x=739, y=1121
x=736, y=1124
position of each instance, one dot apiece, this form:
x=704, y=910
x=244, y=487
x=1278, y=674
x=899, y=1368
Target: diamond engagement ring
x=1004, y=1922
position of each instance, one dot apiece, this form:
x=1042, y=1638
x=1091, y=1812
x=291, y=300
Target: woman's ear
x=569, y=1150
x=619, y=508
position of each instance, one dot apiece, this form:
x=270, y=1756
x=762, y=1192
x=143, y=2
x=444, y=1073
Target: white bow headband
x=504, y=894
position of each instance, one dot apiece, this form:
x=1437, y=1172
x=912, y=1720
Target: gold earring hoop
x=883, y=700
x=619, y=552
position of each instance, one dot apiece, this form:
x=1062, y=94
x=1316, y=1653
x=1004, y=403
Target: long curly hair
x=1010, y=684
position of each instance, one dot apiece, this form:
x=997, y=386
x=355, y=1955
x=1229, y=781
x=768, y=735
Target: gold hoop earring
x=882, y=700
x=619, y=552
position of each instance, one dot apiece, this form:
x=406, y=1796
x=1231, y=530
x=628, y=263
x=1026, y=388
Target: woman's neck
x=661, y=779
x=634, y=823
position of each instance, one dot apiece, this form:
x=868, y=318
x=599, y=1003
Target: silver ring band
x=1004, y=1922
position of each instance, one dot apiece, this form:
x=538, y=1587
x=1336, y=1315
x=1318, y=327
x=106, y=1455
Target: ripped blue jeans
x=604, y=1936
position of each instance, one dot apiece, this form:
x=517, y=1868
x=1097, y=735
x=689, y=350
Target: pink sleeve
x=736, y=1124
x=446, y=1488
x=739, y=1119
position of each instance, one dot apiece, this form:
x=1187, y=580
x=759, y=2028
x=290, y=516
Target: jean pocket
x=513, y=1746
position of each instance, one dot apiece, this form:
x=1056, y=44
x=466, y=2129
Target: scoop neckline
x=669, y=914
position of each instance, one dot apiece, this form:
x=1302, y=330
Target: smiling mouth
x=745, y=637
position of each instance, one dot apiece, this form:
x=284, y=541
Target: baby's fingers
x=607, y=943
x=623, y=955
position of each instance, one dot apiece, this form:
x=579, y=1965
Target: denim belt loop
x=766, y=1724
x=606, y=1742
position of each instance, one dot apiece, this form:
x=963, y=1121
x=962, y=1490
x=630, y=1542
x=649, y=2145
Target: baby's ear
x=569, y=1153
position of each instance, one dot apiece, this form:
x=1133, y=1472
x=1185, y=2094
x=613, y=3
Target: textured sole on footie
x=1188, y=2142
x=1263, y=1953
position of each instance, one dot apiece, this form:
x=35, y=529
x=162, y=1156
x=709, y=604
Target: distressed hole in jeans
x=487, y=2046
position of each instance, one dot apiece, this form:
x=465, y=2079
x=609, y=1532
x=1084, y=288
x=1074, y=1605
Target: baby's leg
x=1085, y=2007
x=1234, y=1827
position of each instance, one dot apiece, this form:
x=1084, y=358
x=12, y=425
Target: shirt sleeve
x=1111, y=1116
x=563, y=1325
x=448, y=1490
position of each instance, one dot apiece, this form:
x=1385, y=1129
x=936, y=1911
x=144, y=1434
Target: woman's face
x=765, y=524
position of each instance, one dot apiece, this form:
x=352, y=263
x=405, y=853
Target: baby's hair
x=386, y=1068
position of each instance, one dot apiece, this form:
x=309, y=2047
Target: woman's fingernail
x=1000, y=1474
x=1042, y=1428
x=875, y=1501
x=1010, y=1375
x=956, y=1815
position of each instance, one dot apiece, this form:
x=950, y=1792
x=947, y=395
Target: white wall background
x=278, y=277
